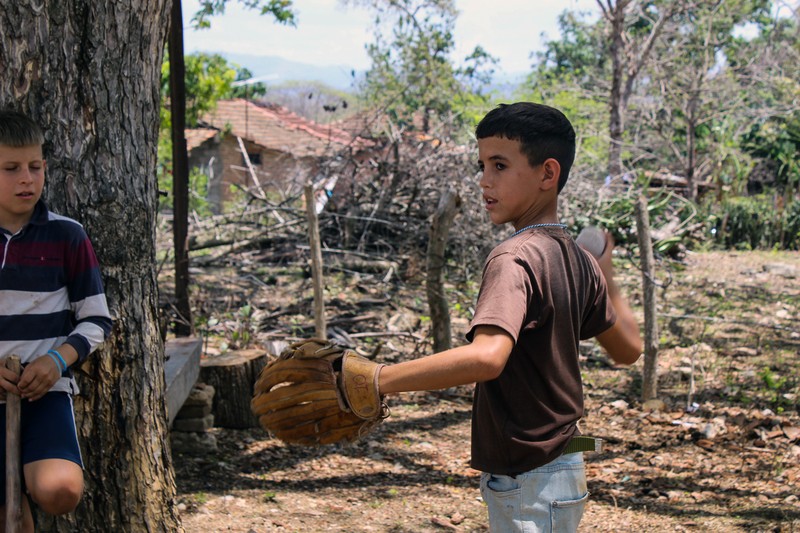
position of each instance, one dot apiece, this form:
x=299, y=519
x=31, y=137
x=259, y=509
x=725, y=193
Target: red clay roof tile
x=276, y=128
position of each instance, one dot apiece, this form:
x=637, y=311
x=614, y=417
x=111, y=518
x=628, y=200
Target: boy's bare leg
x=55, y=485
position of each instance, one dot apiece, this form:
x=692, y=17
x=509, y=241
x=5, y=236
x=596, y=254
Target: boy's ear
x=552, y=172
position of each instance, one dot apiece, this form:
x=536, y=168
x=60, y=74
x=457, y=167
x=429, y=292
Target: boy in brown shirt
x=540, y=294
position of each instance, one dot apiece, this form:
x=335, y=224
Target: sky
x=328, y=34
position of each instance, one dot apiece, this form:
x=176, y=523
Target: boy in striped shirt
x=53, y=314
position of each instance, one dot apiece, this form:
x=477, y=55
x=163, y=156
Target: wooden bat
x=13, y=483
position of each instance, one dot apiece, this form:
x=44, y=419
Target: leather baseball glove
x=316, y=392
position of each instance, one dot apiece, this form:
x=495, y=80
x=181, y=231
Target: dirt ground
x=720, y=454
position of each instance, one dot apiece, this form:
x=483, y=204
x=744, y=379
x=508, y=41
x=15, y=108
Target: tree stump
x=233, y=376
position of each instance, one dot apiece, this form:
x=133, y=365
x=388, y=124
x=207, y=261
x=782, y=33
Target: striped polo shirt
x=51, y=291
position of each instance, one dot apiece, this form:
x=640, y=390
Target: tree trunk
x=616, y=125
x=89, y=73
x=650, y=373
x=691, y=181
x=440, y=229
x=629, y=54
x=691, y=138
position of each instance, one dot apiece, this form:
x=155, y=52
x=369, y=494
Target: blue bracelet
x=60, y=361
x=53, y=357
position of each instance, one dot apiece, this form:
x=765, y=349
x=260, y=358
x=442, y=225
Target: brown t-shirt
x=548, y=294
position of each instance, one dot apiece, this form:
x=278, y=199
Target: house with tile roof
x=262, y=147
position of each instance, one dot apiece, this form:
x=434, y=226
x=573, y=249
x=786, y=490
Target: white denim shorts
x=547, y=499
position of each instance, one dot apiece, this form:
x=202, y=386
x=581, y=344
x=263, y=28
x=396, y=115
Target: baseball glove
x=316, y=392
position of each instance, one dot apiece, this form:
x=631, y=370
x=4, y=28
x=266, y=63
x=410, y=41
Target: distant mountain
x=276, y=70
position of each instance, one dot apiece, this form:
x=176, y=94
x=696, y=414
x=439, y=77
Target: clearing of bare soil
x=720, y=454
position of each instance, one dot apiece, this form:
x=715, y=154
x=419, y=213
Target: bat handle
x=13, y=479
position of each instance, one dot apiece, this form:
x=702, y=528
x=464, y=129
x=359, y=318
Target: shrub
x=757, y=222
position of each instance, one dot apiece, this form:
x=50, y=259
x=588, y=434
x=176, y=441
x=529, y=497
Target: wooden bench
x=181, y=370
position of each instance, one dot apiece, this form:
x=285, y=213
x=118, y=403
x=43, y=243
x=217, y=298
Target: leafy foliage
x=209, y=78
x=696, y=106
x=778, y=140
x=281, y=10
x=749, y=223
x=579, y=55
x=714, y=103
x=245, y=88
x=412, y=76
x=198, y=189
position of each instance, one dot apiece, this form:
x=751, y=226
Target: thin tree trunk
x=691, y=141
x=89, y=73
x=691, y=182
x=180, y=171
x=616, y=126
x=437, y=301
x=627, y=61
x=650, y=373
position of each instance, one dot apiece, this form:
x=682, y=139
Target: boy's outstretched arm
x=481, y=360
x=622, y=341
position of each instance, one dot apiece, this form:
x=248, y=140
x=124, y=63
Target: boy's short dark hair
x=18, y=130
x=542, y=132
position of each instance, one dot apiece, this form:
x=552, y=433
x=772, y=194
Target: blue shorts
x=547, y=499
x=48, y=432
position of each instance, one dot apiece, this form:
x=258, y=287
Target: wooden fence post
x=440, y=229
x=650, y=373
x=180, y=172
x=316, y=264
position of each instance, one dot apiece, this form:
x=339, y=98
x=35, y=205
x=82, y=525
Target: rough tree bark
x=89, y=73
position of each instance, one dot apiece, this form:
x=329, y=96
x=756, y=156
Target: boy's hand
x=622, y=341
x=38, y=377
x=8, y=381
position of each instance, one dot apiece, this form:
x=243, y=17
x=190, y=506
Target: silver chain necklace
x=543, y=225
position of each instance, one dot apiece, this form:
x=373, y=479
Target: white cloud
x=508, y=30
x=326, y=33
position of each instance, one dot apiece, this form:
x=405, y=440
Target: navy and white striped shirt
x=51, y=291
